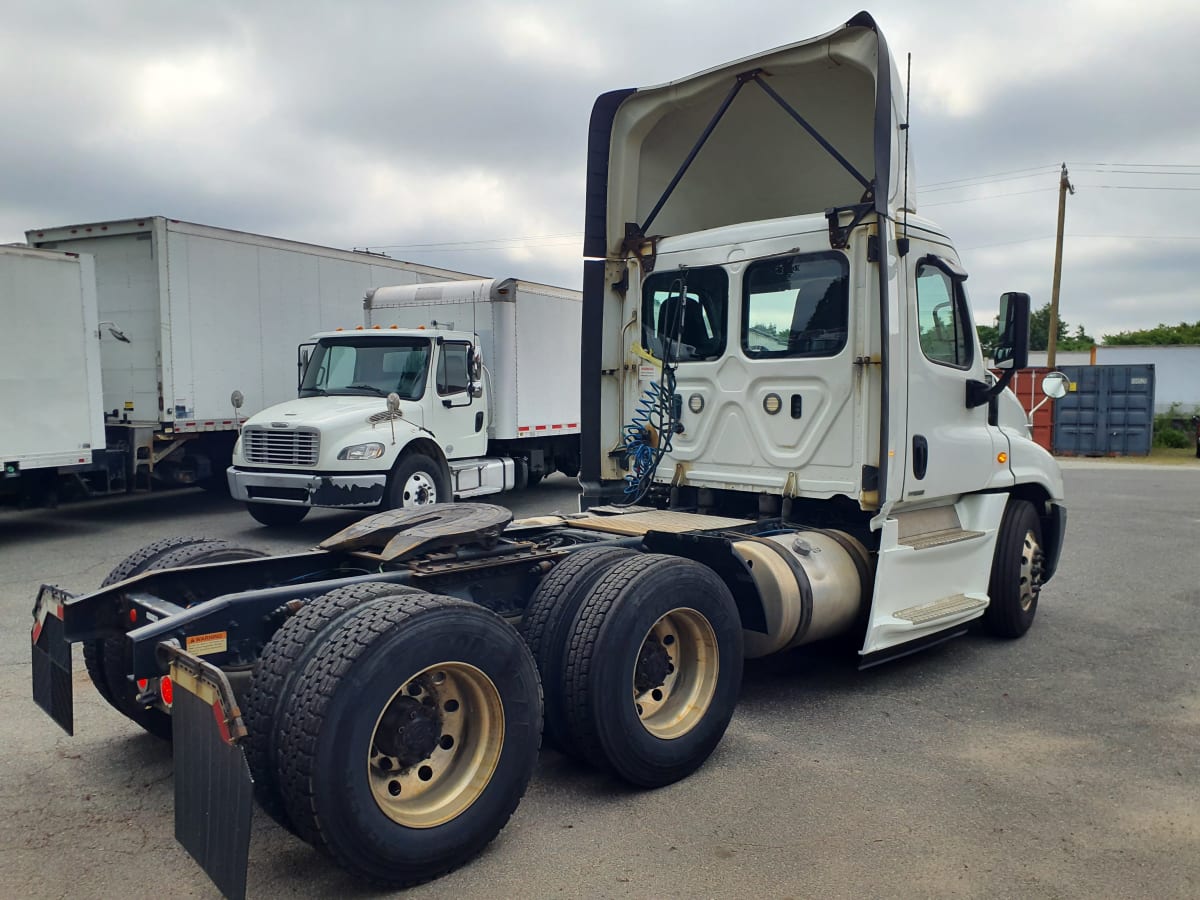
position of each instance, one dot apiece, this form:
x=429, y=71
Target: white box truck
x=483, y=403
x=50, y=399
x=789, y=436
x=187, y=314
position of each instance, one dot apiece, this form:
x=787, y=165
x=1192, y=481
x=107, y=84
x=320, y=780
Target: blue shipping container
x=1108, y=412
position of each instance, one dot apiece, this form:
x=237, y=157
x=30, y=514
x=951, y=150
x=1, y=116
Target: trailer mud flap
x=214, y=798
x=52, y=686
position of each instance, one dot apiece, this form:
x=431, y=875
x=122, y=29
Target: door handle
x=920, y=456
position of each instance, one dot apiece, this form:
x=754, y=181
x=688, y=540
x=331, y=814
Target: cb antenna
x=902, y=243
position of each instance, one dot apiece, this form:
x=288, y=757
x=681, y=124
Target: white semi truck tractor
x=448, y=390
x=788, y=436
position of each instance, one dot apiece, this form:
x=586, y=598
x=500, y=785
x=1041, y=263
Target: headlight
x=362, y=451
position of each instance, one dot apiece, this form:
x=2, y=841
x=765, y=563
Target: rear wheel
x=1017, y=572
x=546, y=626
x=653, y=669
x=116, y=660
x=134, y=564
x=276, y=515
x=411, y=738
x=275, y=675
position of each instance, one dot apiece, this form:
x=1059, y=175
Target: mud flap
x=214, y=798
x=52, y=687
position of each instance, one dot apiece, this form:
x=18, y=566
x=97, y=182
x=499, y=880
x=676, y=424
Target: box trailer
x=191, y=312
x=50, y=406
x=447, y=390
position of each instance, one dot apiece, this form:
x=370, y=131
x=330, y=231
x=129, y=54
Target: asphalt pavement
x=1064, y=764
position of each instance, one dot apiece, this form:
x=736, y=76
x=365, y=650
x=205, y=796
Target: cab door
x=951, y=450
x=458, y=420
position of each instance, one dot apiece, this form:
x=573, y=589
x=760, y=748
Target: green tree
x=1039, y=333
x=1183, y=333
x=989, y=336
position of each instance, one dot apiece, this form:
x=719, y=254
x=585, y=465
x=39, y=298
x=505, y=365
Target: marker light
x=696, y=403
x=772, y=403
x=166, y=690
x=1001, y=458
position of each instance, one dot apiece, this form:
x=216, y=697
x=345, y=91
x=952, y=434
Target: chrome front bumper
x=307, y=489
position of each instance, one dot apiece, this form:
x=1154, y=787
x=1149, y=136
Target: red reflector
x=166, y=690
x=142, y=682
x=133, y=615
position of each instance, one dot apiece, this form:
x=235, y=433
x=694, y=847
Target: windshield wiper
x=367, y=387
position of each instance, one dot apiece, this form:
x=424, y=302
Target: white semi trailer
x=788, y=436
x=481, y=403
x=50, y=400
x=187, y=314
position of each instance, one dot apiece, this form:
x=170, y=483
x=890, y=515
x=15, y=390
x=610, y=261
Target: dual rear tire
x=641, y=661
x=403, y=737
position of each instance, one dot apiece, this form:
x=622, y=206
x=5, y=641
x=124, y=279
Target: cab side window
x=796, y=306
x=452, y=368
x=942, y=325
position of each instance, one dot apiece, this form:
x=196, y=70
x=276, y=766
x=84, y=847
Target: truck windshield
x=354, y=366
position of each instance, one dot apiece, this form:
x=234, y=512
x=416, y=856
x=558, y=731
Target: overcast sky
x=454, y=133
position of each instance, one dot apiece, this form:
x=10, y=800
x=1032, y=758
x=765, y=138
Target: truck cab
x=783, y=334
x=383, y=416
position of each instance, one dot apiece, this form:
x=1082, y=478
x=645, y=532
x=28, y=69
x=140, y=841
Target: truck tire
x=134, y=564
x=1016, y=572
x=653, y=669
x=547, y=623
x=411, y=737
x=116, y=661
x=274, y=679
x=276, y=515
x=417, y=480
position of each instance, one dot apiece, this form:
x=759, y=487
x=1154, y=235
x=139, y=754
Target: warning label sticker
x=204, y=644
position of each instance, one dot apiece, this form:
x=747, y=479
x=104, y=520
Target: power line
x=973, y=178
x=987, y=197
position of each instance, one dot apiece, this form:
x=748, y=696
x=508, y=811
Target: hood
x=332, y=412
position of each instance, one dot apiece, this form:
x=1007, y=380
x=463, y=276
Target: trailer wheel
x=276, y=515
x=546, y=626
x=274, y=680
x=134, y=564
x=417, y=480
x=116, y=661
x=653, y=669
x=411, y=737
x=1017, y=572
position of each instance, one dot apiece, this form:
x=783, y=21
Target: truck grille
x=266, y=446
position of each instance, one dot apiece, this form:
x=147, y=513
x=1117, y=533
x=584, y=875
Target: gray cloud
x=379, y=123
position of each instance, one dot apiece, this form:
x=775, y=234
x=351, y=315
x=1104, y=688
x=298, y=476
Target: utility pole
x=1064, y=185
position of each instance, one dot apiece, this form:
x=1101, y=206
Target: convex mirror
x=1056, y=385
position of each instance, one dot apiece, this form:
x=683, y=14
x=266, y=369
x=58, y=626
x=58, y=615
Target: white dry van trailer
x=187, y=313
x=788, y=433
x=50, y=406
x=484, y=401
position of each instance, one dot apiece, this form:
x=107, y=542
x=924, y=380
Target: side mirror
x=237, y=399
x=393, y=402
x=1012, y=350
x=1056, y=385
x=475, y=372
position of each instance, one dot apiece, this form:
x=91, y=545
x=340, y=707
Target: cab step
x=940, y=538
x=948, y=607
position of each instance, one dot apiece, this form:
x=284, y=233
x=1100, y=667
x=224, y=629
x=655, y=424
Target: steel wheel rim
x=1030, y=581
x=672, y=707
x=419, y=490
x=452, y=718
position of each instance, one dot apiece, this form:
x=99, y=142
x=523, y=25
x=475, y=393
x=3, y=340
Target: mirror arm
x=978, y=392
